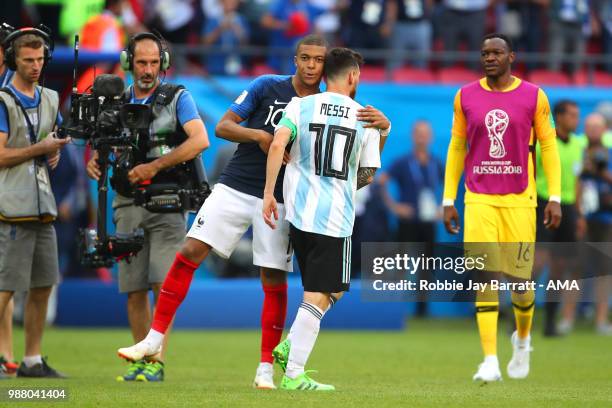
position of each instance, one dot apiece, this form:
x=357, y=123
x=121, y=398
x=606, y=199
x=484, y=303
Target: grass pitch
x=429, y=365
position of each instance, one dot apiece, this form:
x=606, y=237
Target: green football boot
x=153, y=371
x=281, y=353
x=304, y=383
x=134, y=368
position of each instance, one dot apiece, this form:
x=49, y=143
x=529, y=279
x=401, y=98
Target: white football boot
x=518, y=367
x=488, y=370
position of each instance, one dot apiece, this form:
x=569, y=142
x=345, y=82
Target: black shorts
x=567, y=229
x=325, y=262
x=565, y=233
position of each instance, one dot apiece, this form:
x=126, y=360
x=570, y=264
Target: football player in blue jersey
x=236, y=204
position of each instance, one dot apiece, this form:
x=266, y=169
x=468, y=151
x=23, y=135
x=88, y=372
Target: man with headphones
x=28, y=147
x=7, y=365
x=174, y=117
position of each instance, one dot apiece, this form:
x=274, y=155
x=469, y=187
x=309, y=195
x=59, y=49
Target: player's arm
x=455, y=161
x=194, y=144
x=547, y=137
x=229, y=128
x=282, y=137
x=369, y=162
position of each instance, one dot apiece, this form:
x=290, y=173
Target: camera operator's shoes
x=39, y=370
x=153, y=371
x=138, y=351
x=133, y=370
x=7, y=368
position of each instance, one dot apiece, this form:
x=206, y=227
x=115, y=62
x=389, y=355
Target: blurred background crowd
x=436, y=38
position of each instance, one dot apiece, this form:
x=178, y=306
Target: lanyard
x=417, y=175
x=33, y=133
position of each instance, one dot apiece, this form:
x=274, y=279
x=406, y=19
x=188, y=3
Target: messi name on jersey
x=335, y=110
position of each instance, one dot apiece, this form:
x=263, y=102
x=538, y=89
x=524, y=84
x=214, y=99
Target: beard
x=144, y=85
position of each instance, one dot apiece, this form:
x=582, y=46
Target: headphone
x=126, y=58
x=9, y=42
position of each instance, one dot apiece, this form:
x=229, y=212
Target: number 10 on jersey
x=339, y=143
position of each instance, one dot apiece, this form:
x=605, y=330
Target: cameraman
x=7, y=366
x=145, y=57
x=28, y=244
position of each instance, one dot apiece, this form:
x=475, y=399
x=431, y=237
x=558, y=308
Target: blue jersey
x=261, y=105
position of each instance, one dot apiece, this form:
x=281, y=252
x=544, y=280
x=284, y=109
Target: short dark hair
x=29, y=41
x=338, y=60
x=311, y=39
x=561, y=107
x=501, y=36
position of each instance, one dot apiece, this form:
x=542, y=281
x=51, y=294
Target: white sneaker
x=518, y=367
x=565, y=327
x=604, y=329
x=264, y=377
x=138, y=351
x=488, y=370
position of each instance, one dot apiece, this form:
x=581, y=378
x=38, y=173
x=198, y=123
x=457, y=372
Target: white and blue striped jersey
x=329, y=146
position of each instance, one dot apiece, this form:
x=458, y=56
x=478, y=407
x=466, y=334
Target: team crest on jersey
x=497, y=122
x=241, y=97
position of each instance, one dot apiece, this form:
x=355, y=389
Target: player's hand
x=53, y=159
x=93, y=168
x=270, y=210
x=142, y=172
x=51, y=144
x=373, y=118
x=552, y=215
x=265, y=140
x=286, y=157
x=451, y=219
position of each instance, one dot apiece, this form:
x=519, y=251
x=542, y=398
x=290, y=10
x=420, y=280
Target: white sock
x=264, y=365
x=30, y=361
x=523, y=342
x=491, y=359
x=154, y=339
x=303, y=334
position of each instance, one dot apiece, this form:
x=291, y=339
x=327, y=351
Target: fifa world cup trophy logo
x=497, y=122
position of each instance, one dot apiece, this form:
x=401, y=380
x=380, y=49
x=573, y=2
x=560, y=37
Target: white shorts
x=227, y=214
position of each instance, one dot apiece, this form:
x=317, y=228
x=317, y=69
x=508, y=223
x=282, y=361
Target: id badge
x=43, y=178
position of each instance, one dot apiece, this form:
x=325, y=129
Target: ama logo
x=200, y=221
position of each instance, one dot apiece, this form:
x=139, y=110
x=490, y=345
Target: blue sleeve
x=248, y=100
x=186, y=108
x=4, y=125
